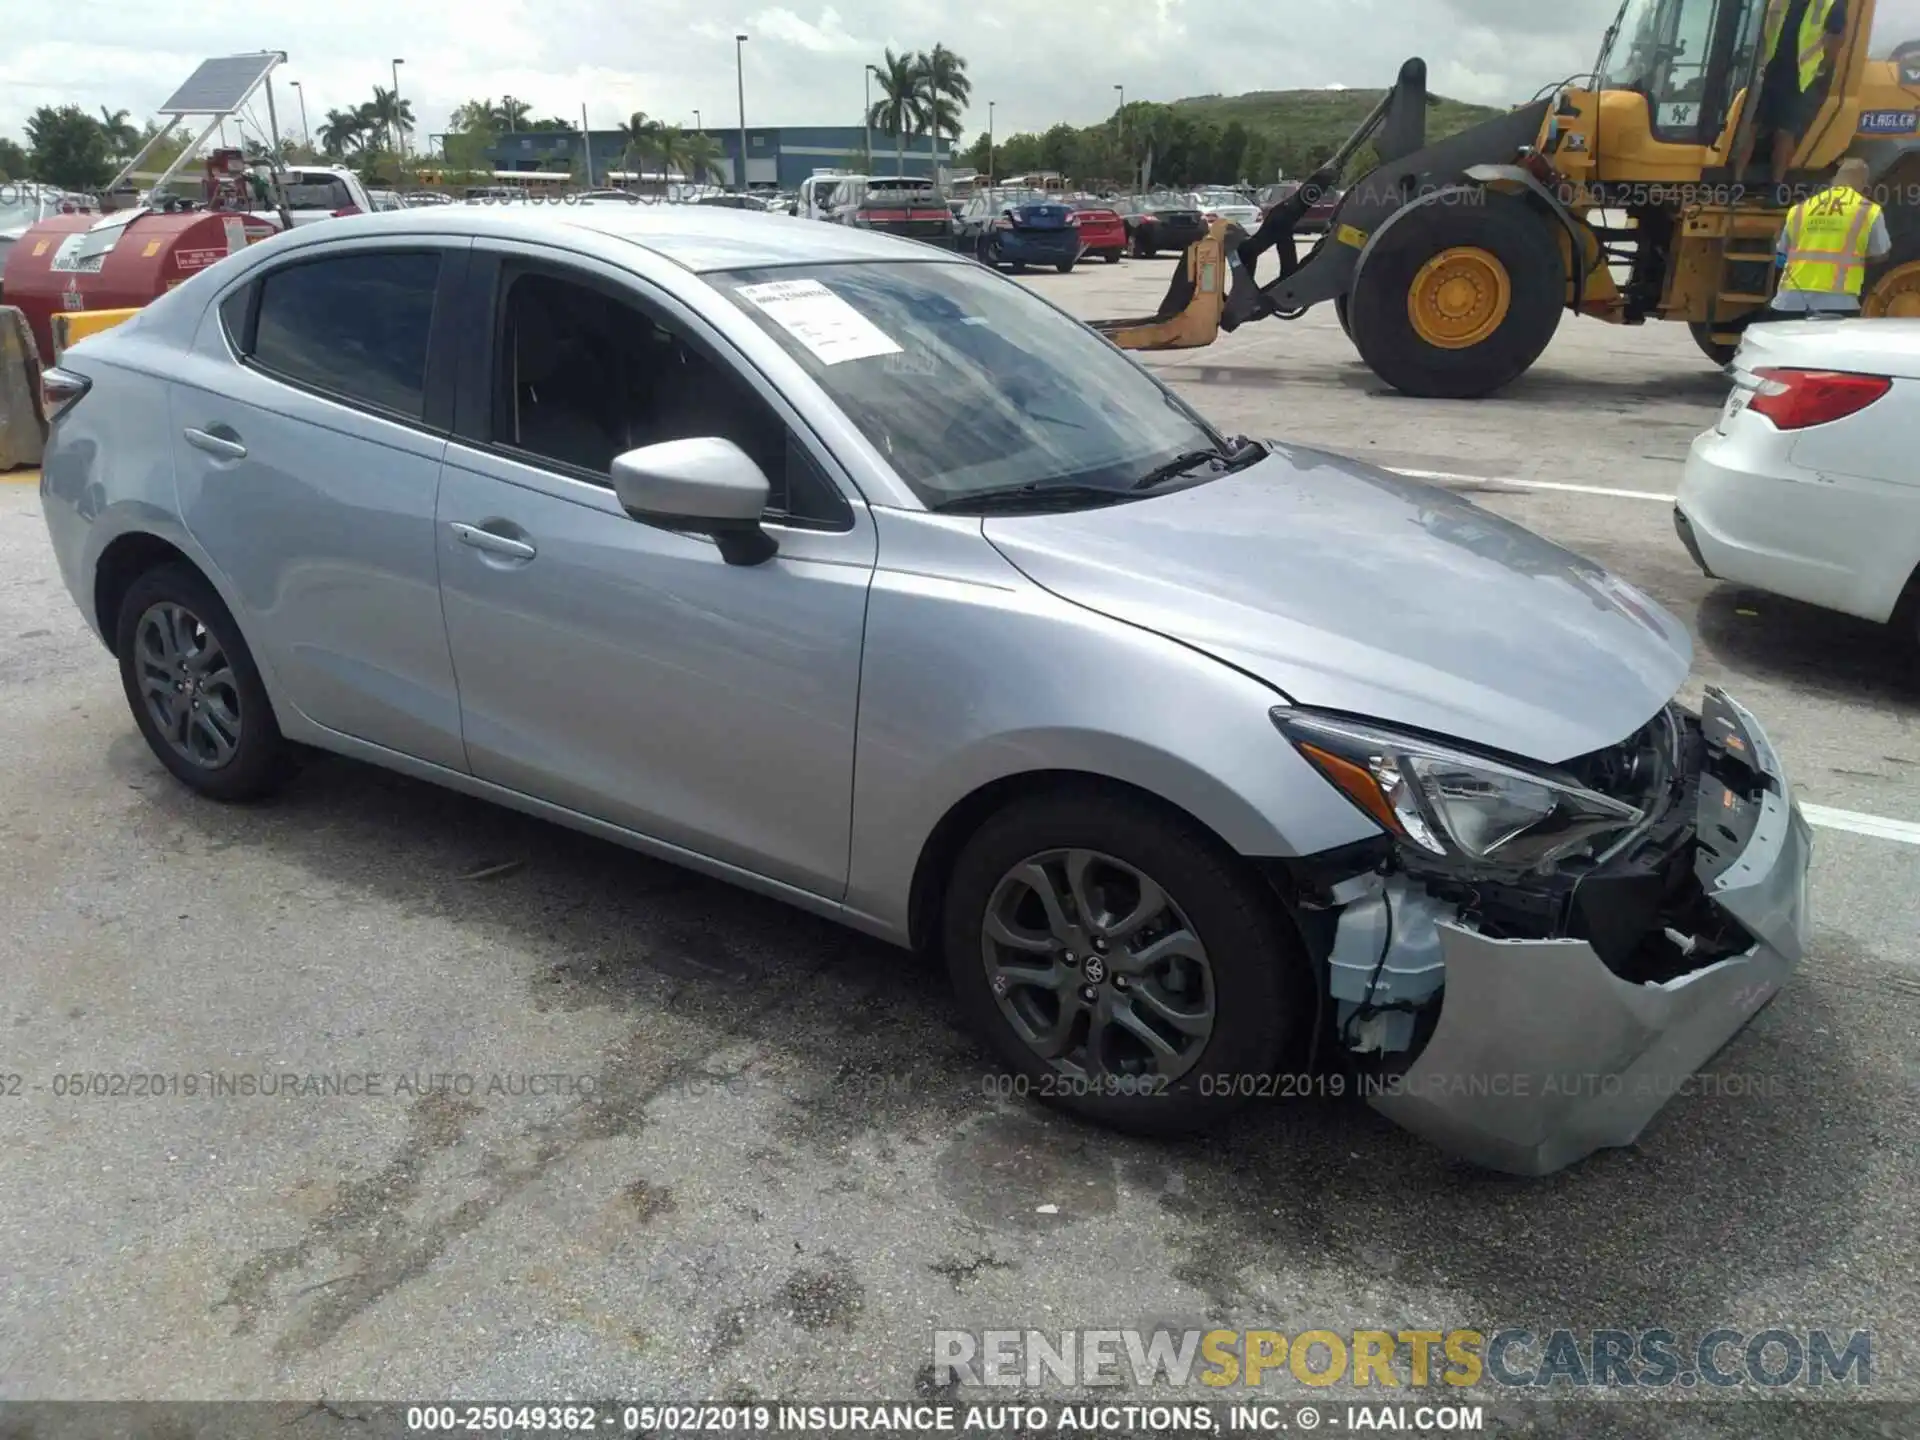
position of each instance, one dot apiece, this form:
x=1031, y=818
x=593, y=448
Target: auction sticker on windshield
x=820, y=320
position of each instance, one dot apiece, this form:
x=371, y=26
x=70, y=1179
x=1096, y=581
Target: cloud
x=1039, y=60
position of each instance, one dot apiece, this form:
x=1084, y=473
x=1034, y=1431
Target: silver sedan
x=853, y=573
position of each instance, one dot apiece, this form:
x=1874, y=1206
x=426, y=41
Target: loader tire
x=1487, y=277
x=1340, y=313
x=1715, y=350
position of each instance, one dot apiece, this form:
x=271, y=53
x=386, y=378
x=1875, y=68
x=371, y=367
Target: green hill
x=1320, y=119
x=1209, y=138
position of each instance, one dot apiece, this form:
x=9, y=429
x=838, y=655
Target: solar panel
x=220, y=85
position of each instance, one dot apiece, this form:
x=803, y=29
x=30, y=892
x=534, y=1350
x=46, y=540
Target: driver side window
x=582, y=375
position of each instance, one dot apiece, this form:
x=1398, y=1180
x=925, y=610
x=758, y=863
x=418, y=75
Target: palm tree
x=944, y=75
x=122, y=138
x=511, y=114
x=389, y=113
x=669, y=147
x=700, y=157
x=343, y=132
x=637, y=139
x=902, y=102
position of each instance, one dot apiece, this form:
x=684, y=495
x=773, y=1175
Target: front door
x=628, y=672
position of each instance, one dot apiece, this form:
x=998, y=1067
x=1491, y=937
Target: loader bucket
x=1189, y=316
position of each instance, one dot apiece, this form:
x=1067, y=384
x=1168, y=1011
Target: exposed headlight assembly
x=1452, y=804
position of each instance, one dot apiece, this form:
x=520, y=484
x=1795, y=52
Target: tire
x=1255, y=973
x=1142, y=249
x=1340, y=312
x=1713, y=349
x=1112, y=257
x=1502, y=226
x=1065, y=267
x=171, y=620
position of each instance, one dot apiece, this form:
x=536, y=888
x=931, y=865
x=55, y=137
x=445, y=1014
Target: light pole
x=740, y=82
x=990, y=144
x=866, y=116
x=1120, y=120
x=696, y=120
x=399, y=130
x=306, y=135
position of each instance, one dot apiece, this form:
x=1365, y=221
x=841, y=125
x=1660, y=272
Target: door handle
x=227, y=447
x=496, y=544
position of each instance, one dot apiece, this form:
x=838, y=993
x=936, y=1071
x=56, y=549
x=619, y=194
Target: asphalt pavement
x=620, y=1130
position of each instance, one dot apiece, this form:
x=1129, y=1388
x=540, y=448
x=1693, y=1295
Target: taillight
x=60, y=391
x=346, y=210
x=1150, y=219
x=1796, y=399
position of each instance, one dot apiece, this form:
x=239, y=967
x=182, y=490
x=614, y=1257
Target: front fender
x=972, y=680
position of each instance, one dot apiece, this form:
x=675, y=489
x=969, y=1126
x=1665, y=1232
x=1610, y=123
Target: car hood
x=1351, y=589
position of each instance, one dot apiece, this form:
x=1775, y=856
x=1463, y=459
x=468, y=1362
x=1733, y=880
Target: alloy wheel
x=1097, y=969
x=188, y=685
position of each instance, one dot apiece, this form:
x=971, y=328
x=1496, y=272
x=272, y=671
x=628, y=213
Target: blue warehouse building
x=780, y=156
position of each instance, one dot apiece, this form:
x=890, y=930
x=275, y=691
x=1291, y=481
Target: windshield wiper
x=1234, y=457
x=1034, y=494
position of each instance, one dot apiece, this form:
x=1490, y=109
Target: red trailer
x=66, y=263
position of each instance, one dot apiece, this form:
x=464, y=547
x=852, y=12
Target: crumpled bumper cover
x=1541, y=1055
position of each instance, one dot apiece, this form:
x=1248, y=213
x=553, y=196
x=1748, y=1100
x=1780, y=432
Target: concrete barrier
x=23, y=434
x=72, y=326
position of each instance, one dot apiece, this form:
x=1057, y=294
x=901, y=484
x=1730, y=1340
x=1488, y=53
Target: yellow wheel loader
x=1611, y=195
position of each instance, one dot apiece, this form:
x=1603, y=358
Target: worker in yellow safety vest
x=1801, y=42
x=1826, y=244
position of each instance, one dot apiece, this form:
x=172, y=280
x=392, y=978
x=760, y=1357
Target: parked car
x=1806, y=486
x=1318, y=216
x=1224, y=204
x=1161, y=222
x=324, y=192
x=907, y=206
x=734, y=202
x=1018, y=228
x=414, y=199
x=882, y=586
x=1102, y=232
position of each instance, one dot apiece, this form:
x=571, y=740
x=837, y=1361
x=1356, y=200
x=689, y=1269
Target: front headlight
x=1452, y=804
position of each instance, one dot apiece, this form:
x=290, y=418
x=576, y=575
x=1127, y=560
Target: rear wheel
x=1121, y=962
x=1143, y=245
x=1458, y=299
x=1065, y=267
x=1112, y=257
x=194, y=690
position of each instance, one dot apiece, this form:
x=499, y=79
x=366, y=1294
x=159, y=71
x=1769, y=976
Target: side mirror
x=708, y=486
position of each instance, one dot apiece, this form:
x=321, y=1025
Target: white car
x=1807, y=484
x=1228, y=205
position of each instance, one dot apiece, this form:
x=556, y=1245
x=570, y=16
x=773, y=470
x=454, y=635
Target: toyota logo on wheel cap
x=1094, y=971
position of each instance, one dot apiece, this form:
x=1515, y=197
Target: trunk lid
x=1887, y=346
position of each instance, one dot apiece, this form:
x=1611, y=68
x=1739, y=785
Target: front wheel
x=1112, y=257
x=1123, y=965
x=194, y=690
x=1065, y=267
x=1459, y=296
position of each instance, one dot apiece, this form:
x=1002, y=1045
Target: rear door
x=309, y=424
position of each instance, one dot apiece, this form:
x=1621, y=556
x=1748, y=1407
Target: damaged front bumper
x=1541, y=1054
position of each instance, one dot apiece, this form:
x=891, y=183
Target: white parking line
x=1607, y=490
x=1877, y=826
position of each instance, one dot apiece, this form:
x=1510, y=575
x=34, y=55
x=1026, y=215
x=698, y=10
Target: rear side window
x=318, y=192
x=355, y=326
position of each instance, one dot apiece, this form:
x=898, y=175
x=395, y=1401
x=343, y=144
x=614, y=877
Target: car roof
x=697, y=237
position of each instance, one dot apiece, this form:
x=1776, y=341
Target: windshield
x=17, y=213
x=967, y=382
